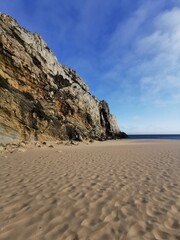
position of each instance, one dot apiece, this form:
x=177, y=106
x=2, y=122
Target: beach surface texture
x=124, y=189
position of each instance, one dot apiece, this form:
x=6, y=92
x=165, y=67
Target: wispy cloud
x=159, y=72
x=151, y=59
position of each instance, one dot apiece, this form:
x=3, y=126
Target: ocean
x=155, y=136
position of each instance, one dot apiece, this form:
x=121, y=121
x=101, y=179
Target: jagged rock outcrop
x=41, y=98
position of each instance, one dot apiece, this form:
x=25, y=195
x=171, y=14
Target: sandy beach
x=125, y=189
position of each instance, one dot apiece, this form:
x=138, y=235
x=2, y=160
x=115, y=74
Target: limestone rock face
x=41, y=98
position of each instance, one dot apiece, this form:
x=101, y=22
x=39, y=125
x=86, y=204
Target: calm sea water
x=155, y=136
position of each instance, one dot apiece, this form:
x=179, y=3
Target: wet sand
x=126, y=189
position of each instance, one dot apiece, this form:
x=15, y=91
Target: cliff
x=42, y=99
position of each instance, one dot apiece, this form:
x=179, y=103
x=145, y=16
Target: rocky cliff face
x=41, y=98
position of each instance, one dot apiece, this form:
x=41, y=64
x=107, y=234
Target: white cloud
x=151, y=59
x=159, y=72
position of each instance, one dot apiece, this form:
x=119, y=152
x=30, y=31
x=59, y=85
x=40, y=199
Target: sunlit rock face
x=42, y=99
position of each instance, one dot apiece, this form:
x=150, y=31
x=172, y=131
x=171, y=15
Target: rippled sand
x=111, y=190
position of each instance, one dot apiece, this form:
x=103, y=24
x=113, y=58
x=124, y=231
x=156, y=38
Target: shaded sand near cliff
x=110, y=190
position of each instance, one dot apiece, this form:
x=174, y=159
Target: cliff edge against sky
x=42, y=99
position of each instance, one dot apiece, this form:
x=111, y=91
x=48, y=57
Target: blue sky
x=128, y=52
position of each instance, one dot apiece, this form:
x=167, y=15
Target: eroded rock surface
x=41, y=98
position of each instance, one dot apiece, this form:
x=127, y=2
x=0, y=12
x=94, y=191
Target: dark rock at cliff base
x=42, y=99
x=123, y=135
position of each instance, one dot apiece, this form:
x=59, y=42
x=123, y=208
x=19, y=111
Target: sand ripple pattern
x=114, y=190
